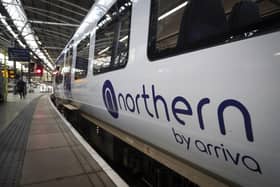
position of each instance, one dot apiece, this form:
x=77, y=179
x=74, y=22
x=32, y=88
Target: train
x=196, y=79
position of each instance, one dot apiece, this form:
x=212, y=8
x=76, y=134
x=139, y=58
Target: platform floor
x=14, y=105
x=38, y=149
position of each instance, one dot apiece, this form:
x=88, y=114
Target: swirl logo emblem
x=109, y=98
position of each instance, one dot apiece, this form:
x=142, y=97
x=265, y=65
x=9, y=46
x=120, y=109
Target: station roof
x=48, y=24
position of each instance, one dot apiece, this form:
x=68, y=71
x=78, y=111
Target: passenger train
x=197, y=79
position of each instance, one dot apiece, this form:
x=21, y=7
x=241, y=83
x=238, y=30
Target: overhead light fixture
x=103, y=51
x=172, y=11
x=124, y=38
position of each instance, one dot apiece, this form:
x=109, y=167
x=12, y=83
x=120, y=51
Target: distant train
x=197, y=79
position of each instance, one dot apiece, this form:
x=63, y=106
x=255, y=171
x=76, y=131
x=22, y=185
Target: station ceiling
x=53, y=22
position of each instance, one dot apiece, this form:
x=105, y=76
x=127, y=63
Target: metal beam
x=54, y=23
x=4, y=42
x=8, y=18
x=53, y=33
x=63, y=8
x=36, y=10
x=6, y=3
x=63, y=30
x=48, y=16
x=74, y=5
x=53, y=48
x=4, y=31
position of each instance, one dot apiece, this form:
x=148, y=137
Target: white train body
x=216, y=107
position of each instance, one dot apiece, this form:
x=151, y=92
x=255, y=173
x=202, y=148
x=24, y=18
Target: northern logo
x=109, y=98
x=178, y=109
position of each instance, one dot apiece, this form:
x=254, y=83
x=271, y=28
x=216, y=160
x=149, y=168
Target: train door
x=58, y=86
x=80, y=68
x=67, y=72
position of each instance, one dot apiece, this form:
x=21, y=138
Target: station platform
x=39, y=148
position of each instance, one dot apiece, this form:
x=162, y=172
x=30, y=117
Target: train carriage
x=197, y=79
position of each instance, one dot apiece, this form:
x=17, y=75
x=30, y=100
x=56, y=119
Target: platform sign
x=18, y=54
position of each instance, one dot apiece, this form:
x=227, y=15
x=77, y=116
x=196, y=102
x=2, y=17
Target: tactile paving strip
x=13, y=142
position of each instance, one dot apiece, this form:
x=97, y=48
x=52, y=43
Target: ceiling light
x=172, y=11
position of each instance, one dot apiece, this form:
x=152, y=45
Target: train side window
x=59, y=66
x=180, y=26
x=112, y=38
x=81, y=67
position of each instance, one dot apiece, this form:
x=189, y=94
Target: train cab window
x=112, y=38
x=81, y=67
x=185, y=25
